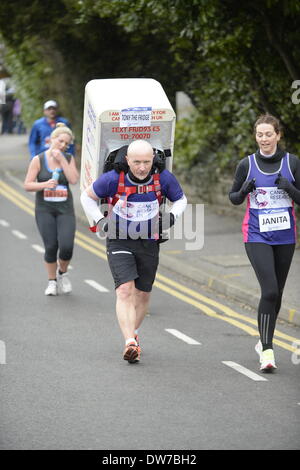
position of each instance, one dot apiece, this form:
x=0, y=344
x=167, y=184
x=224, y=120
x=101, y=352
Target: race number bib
x=274, y=220
x=59, y=194
x=136, y=211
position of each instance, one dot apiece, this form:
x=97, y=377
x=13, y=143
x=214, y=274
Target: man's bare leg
x=125, y=308
x=142, y=300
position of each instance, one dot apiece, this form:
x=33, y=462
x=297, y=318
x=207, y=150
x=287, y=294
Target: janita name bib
x=271, y=220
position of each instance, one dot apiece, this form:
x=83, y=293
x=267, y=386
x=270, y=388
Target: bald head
x=140, y=158
x=139, y=147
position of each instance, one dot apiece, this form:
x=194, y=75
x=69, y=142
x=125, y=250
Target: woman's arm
x=30, y=183
x=69, y=168
x=293, y=189
x=237, y=194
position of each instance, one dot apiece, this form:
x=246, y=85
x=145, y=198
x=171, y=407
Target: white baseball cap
x=50, y=104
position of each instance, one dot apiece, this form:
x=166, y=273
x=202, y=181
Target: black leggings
x=57, y=232
x=271, y=264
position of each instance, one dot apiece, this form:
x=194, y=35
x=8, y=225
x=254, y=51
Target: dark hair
x=269, y=119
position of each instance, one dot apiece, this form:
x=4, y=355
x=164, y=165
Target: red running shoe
x=131, y=353
x=136, y=337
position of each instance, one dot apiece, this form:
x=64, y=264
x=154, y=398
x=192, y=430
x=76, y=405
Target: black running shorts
x=133, y=260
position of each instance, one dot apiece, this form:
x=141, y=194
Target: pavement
x=205, y=246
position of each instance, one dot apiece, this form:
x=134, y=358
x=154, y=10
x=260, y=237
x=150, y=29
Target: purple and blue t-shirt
x=136, y=216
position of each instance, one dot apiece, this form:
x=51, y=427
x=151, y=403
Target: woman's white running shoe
x=64, y=283
x=267, y=361
x=258, y=349
x=51, y=288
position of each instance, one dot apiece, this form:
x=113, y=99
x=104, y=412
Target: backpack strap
x=120, y=190
x=140, y=189
x=157, y=187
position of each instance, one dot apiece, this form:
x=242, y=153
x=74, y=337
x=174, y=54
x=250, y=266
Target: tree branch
x=278, y=46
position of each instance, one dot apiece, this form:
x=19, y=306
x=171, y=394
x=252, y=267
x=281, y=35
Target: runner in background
x=39, y=138
x=49, y=174
x=270, y=180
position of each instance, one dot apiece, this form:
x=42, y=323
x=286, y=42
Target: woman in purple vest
x=270, y=180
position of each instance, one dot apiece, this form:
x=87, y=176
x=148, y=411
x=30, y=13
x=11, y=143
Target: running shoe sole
x=131, y=353
x=268, y=368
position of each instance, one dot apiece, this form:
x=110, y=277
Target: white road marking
x=2, y=352
x=18, y=234
x=243, y=370
x=38, y=248
x=95, y=285
x=4, y=223
x=181, y=336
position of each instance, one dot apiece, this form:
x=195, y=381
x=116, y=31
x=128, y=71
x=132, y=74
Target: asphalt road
x=64, y=384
